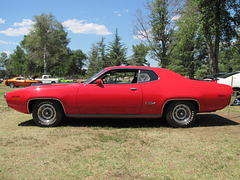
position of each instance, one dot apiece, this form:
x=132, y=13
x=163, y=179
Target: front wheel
x=47, y=113
x=181, y=114
x=237, y=96
x=12, y=85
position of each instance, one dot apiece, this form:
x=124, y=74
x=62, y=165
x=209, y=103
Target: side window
x=147, y=75
x=119, y=76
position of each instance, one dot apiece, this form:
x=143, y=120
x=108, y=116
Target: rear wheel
x=181, y=114
x=47, y=113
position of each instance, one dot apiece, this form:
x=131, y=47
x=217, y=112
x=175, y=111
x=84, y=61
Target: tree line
x=192, y=37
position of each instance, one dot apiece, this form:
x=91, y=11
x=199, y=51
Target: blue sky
x=86, y=21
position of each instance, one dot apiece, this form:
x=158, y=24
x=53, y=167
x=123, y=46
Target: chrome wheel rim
x=46, y=114
x=182, y=114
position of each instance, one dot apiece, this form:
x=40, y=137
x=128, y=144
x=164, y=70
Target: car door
x=19, y=81
x=115, y=96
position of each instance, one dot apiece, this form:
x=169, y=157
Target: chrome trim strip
x=180, y=100
x=46, y=99
x=114, y=115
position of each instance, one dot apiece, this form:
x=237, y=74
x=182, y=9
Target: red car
x=123, y=92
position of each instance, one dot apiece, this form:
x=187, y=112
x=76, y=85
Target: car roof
x=131, y=67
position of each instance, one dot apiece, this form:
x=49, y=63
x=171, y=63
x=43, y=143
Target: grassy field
x=118, y=148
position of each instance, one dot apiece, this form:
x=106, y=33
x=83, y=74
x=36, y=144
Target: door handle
x=133, y=89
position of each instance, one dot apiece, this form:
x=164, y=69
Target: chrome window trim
x=139, y=71
x=46, y=99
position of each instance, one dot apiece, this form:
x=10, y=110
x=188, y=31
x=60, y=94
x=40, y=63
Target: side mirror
x=99, y=82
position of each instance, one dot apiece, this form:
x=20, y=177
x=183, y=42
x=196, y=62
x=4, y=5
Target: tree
x=94, y=63
x=16, y=63
x=76, y=63
x=156, y=29
x=138, y=58
x=47, y=42
x=102, y=55
x=229, y=56
x=3, y=60
x=219, y=22
x=187, y=55
x=117, y=52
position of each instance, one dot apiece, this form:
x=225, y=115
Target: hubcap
x=181, y=114
x=46, y=114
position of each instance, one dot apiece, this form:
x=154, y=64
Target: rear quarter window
x=147, y=76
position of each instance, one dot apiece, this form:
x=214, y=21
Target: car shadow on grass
x=203, y=120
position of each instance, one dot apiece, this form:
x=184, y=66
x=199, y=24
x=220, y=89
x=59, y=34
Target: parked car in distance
x=212, y=77
x=48, y=79
x=232, y=79
x=123, y=92
x=64, y=80
x=19, y=81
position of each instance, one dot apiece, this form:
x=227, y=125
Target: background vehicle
x=232, y=79
x=64, y=80
x=123, y=92
x=212, y=77
x=48, y=79
x=19, y=81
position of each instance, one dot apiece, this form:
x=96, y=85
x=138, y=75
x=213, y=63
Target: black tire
x=237, y=97
x=47, y=113
x=181, y=114
x=12, y=85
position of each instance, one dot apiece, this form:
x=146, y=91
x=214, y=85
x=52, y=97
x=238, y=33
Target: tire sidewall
x=58, y=110
x=173, y=122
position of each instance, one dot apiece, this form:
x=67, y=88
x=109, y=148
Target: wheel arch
x=32, y=102
x=168, y=102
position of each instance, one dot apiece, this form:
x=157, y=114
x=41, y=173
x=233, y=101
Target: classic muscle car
x=19, y=81
x=125, y=92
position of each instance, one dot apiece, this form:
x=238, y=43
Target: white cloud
x=7, y=52
x=7, y=43
x=117, y=13
x=143, y=35
x=24, y=23
x=176, y=18
x=83, y=27
x=2, y=21
x=19, y=29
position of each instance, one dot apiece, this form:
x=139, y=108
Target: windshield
x=94, y=77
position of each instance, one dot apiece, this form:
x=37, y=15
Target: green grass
x=118, y=149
